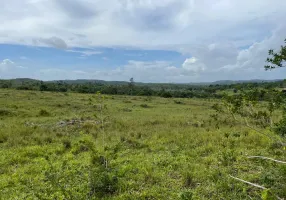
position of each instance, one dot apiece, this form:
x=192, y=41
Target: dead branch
x=249, y=183
x=266, y=158
x=253, y=184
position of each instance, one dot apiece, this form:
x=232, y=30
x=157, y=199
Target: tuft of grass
x=5, y=112
x=144, y=106
x=44, y=113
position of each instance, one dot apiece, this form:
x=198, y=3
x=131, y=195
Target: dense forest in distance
x=167, y=90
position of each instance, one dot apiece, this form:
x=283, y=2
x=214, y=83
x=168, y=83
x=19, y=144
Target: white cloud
x=79, y=72
x=192, y=64
x=8, y=69
x=59, y=74
x=219, y=37
x=6, y=64
x=254, y=57
x=147, y=24
x=85, y=53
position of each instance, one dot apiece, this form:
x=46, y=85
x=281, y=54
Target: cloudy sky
x=150, y=40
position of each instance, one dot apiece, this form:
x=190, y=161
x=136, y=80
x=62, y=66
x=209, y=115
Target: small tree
x=278, y=60
x=131, y=85
x=245, y=109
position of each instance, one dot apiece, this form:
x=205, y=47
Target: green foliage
x=186, y=195
x=102, y=183
x=280, y=127
x=267, y=195
x=276, y=59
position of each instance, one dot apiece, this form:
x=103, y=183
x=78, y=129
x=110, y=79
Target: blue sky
x=151, y=40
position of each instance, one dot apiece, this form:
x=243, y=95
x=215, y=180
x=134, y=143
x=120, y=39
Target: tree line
x=134, y=89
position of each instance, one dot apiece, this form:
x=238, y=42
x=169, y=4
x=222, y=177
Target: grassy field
x=66, y=146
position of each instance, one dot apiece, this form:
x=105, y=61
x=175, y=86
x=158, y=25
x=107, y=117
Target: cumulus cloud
x=255, y=55
x=192, y=64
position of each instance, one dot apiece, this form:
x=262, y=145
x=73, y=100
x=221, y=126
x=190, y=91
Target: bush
x=166, y=95
x=178, y=102
x=5, y=112
x=144, y=106
x=67, y=144
x=3, y=137
x=280, y=127
x=44, y=113
x=102, y=183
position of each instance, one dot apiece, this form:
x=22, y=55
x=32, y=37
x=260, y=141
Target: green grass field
x=55, y=146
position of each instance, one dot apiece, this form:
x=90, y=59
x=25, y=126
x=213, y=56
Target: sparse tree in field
x=131, y=85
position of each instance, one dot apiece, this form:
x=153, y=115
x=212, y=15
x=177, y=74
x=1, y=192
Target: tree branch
x=258, y=131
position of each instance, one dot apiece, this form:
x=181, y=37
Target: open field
x=66, y=146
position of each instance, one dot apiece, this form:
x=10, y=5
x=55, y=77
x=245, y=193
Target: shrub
x=3, y=138
x=178, y=102
x=228, y=157
x=166, y=95
x=5, y=112
x=102, y=180
x=144, y=106
x=280, y=127
x=44, y=113
x=67, y=144
x=102, y=183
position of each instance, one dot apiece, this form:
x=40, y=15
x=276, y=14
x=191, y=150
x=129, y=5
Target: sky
x=170, y=41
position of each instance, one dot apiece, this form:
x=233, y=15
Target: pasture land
x=85, y=146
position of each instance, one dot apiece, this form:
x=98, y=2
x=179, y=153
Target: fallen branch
x=265, y=158
x=249, y=183
x=253, y=184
